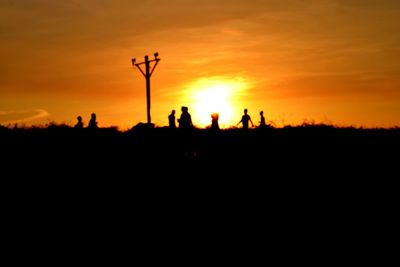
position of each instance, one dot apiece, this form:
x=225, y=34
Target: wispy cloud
x=22, y=116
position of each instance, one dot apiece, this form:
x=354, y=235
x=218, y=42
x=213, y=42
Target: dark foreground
x=315, y=181
x=292, y=163
x=160, y=152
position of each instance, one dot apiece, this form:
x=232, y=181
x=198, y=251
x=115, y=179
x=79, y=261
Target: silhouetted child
x=93, y=122
x=262, y=120
x=79, y=124
x=245, y=120
x=185, y=121
x=171, y=120
x=214, y=121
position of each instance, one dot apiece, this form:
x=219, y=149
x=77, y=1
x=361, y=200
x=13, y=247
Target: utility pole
x=147, y=74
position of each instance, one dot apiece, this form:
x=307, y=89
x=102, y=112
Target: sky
x=315, y=61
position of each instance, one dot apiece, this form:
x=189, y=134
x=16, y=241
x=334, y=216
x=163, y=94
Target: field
x=284, y=172
x=259, y=151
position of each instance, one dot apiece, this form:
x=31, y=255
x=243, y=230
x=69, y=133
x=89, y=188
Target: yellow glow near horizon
x=215, y=95
x=68, y=58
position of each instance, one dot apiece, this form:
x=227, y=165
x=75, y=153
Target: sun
x=211, y=100
x=215, y=95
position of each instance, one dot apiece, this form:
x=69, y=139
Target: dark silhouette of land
x=302, y=148
x=307, y=170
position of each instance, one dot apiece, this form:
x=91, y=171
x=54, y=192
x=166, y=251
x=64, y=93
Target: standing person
x=79, y=124
x=245, y=120
x=171, y=120
x=214, y=121
x=185, y=121
x=262, y=120
x=93, y=122
x=185, y=130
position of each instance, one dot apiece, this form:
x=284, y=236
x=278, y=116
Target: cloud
x=22, y=116
x=79, y=50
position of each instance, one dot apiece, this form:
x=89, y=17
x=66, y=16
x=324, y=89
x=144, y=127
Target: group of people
x=92, y=123
x=185, y=120
x=246, y=119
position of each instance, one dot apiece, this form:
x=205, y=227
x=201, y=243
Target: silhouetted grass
x=281, y=167
x=142, y=143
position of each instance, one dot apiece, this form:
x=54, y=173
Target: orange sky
x=331, y=61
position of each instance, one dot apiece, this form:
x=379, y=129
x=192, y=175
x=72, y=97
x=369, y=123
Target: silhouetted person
x=93, y=122
x=171, y=120
x=262, y=119
x=79, y=124
x=185, y=121
x=214, y=121
x=245, y=120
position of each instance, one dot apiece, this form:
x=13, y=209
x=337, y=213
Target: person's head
x=93, y=116
x=79, y=118
x=184, y=109
x=261, y=112
x=214, y=116
x=245, y=111
x=173, y=112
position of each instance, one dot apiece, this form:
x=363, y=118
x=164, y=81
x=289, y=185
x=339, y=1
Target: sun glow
x=215, y=95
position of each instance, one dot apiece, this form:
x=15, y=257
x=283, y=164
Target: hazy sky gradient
x=334, y=61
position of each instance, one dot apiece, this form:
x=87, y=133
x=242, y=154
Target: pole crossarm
x=138, y=66
x=154, y=67
x=144, y=62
